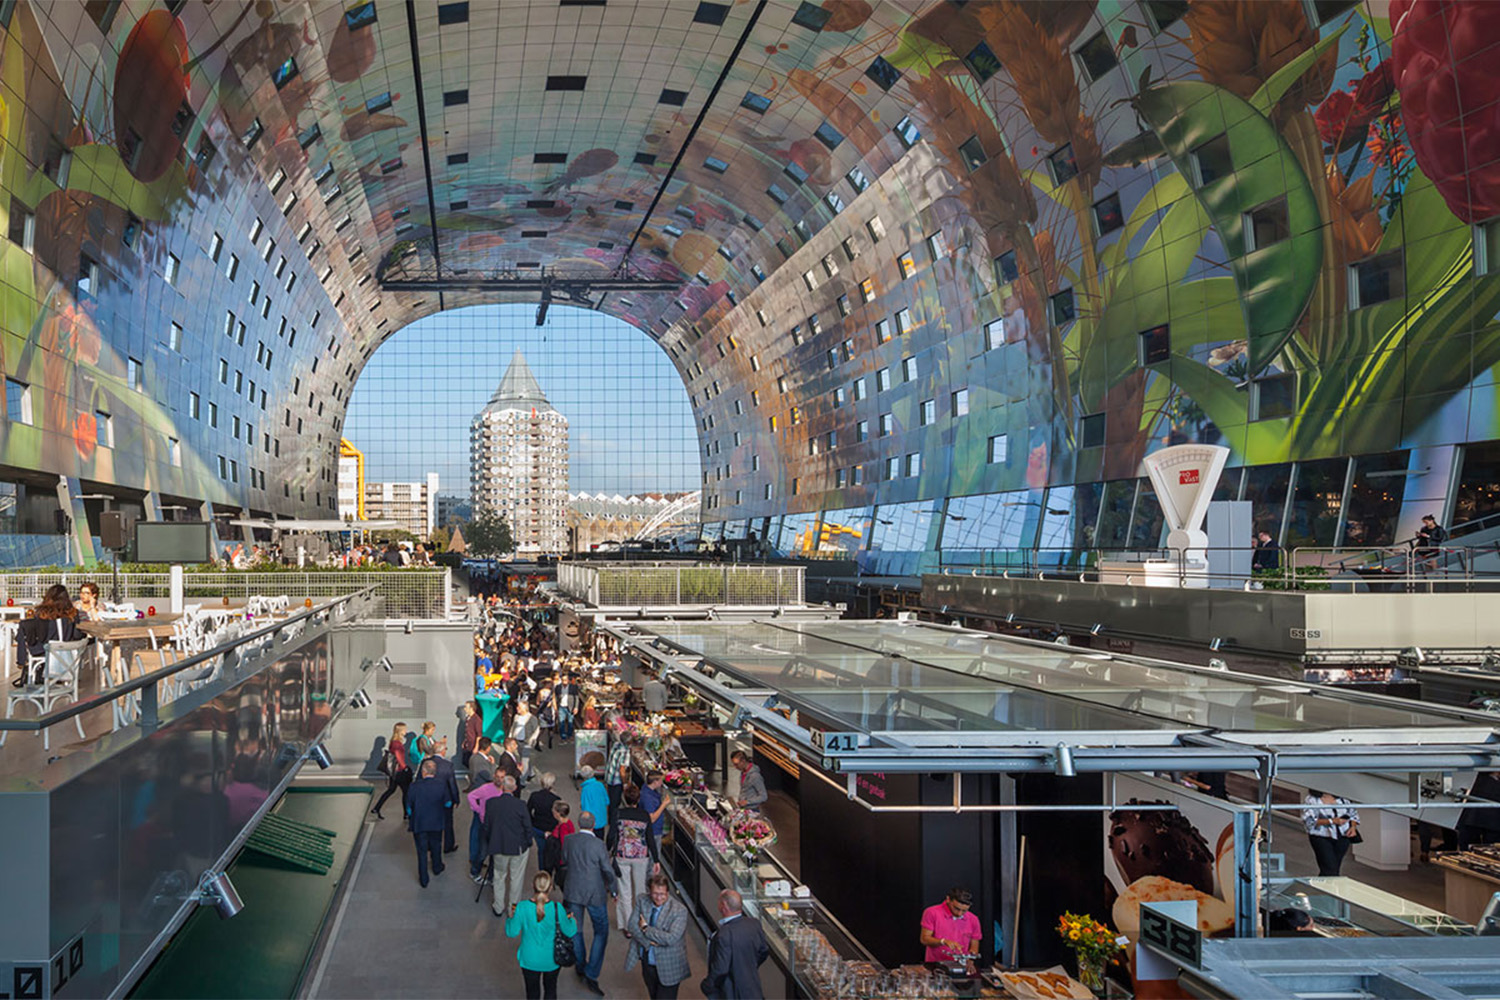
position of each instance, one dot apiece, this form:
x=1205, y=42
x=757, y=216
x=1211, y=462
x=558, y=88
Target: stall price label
x=1172, y=938
x=843, y=742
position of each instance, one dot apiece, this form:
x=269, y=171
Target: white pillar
x=1387, y=840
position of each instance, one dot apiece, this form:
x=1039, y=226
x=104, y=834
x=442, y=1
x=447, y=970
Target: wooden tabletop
x=137, y=628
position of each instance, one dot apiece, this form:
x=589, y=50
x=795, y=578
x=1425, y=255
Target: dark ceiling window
x=982, y=62
x=285, y=73
x=1097, y=56
x=361, y=15
x=566, y=82
x=711, y=13
x=453, y=13
x=883, y=73
x=811, y=16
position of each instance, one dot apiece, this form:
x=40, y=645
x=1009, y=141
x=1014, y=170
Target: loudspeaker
x=112, y=529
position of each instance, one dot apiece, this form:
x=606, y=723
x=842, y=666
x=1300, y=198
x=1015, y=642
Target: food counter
x=1345, y=907
x=1470, y=877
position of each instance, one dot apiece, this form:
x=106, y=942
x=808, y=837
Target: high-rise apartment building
x=518, y=461
x=412, y=505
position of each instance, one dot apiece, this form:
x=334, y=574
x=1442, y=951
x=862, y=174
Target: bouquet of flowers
x=750, y=832
x=1093, y=943
x=630, y=732
x=680, y=779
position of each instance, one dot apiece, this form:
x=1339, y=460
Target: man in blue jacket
x=427, y=803
x=450, y=783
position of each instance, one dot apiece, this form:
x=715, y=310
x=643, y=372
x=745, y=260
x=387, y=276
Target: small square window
x=982, y=62
x=994, y=334
x=882, y=380
x=17, y=402
x=811, y=16
x=834, y=202
x=999, y=448
x=960, y=400
x=883, y=73
x=862, y=431
x=840, y=478
x=1063, y=310
x=906, y=131
x=886, y=425
x=22, y=226
x=857, y=180
x=1274, y=396
x=843, y=305
x=756, y=102
x=170, y=271
x=1165, y=13
x=715, y=164
x=882, y=331
x=1487, y=247
x=810, y=280
x=1091, y=431
x=851, y=248
x=867, y=290
x=1107, y=214
x=830, y=266
x=1006, y=268
x=859, y=388
x=285, y=73
x=777, y=194
x=1156, y=345
x=876, y=227
x=1377, y=279
x=1267, y=225
x=908, y=369
x=1063, y=165
x=972, y=151
x=104, y=426
x=1097, y=55
x=893, y=467
x=1212, y=160
x=928, y=413
x=907, y=264
x=913, y=465
x=857, y=475
x=903, y=321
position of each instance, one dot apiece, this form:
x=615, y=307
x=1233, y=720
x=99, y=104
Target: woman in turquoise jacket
x=536, y=922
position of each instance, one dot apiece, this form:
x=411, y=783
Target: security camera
x=319, y=755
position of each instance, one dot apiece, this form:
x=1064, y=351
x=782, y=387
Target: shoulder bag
x=562, y=945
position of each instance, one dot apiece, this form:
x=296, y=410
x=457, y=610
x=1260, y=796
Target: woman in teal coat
x=536, y=922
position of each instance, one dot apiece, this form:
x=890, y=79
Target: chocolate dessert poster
x=1153, y=855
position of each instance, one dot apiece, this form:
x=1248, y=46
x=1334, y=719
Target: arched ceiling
x=662, y=139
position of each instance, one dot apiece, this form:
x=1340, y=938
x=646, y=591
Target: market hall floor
x=392, y=938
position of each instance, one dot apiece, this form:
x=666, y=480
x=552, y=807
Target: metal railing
x=408, y=593
x=248, y=652
x=616, y=584
x=1346, y=569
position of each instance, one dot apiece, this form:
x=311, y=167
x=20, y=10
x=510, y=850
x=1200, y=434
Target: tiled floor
x=392, y=938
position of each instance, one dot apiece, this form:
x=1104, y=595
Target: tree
x=488, y=534
x=392, y=535
x=439, y=537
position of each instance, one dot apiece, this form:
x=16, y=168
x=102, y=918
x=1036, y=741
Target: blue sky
x=630, y=424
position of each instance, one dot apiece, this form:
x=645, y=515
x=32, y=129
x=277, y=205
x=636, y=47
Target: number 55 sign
x=1170, y=930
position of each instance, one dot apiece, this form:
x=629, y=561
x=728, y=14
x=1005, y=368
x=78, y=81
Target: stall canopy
x=922, y=696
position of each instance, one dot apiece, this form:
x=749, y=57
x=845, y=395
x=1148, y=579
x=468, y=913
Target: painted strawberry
x=1443, y=54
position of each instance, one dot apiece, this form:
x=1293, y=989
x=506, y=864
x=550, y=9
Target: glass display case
x=1344, y=907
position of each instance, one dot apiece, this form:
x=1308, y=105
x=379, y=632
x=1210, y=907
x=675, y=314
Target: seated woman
x=88, y=603
x=54, y=619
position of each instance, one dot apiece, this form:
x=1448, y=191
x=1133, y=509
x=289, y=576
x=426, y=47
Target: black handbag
x=562, y=945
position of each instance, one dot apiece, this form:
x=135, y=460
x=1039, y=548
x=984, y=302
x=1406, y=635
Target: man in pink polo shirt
x=950, y=932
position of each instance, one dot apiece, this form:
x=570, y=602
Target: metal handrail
x=146, y=683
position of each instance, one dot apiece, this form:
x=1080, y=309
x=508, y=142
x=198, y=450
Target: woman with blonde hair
x=396, y=767
x=536, y=922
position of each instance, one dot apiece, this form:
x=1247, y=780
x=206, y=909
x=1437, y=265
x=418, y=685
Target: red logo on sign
x=1188, y=477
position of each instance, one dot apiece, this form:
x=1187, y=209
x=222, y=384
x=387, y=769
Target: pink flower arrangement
x=750, y=832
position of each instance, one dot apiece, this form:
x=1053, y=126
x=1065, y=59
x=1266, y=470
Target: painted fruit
x=151, y=86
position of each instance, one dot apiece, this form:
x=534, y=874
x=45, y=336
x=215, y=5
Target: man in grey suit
x=590, y=886
x=658, y=923
x=735, y=953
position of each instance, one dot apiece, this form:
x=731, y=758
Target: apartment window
x=105, y=428
x=857, y=475
x=1006, y=269
x=876, y=228
x=843, y=305
x=174, y=452
x=234, y=427
x=882, y=380
x=1063, y=311
x=882, y=331
x=886, y=424
x=1211, y=160
x=754, y=397
x=846, y=350
x=832, y=358
x=765, y=492
x=908, y=369
x=760, y=314
x=1062, y=163
x=851, y=248
x=88, y=277
x=1165, y=13
x=859, y=388
x=840, y=396
x=1091, y=431
x=796, y=334
x=771, y=423
x=862, y=431
x=257, y=227
x=928, y=413
x=1487, y=247
x=1377, y=279
x=17, y=401
x=913, y=465
x=972, y=152
x=906, y=131
x=810, y=280
x=193, y=405
x=135, y=374
x=174, y=337
x=1273, y=396
x=796, y=416
x=22, y=227
x=814, y=326
x=937, y=247
x=867, y=290
x=1107, y=214
x=1266, y=225
x=223, y=372
x=754, y=463
x=903, y=321
x=232, y=269
x=893, y=467
x=960, y=400
x=999, y=447
x=907, y=264
x=830, y=266
x=840, y=479
x=223, y=467
x=1097, y=56
x=1156, y=345
x=254, y=292
x=755, y=362
x=994, y=334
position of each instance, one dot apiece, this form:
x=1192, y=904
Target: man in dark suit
x=450, y=783
x=507, y=839
x=427, y=803
x=735, y=953
x=591, y=884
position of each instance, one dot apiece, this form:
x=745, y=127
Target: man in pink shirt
x=950, y=932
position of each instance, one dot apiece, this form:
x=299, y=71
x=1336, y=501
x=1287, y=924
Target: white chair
x=63, y=662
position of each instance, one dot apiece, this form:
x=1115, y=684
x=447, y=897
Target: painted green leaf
x=1225, y=404
x=1167, y=191
x=1264, y=99
x=1276, y=281
x=98, y=169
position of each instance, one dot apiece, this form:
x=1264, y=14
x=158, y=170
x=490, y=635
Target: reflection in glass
x=1317, y=498
x=1148, y=526
x=713, y=531
x=798, y=533
x=994, y=531
x=1114, y=514
x=1265, y=488
x=844, y=531
x=1478, y=488
x=1068, y=524
x=899, y=535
